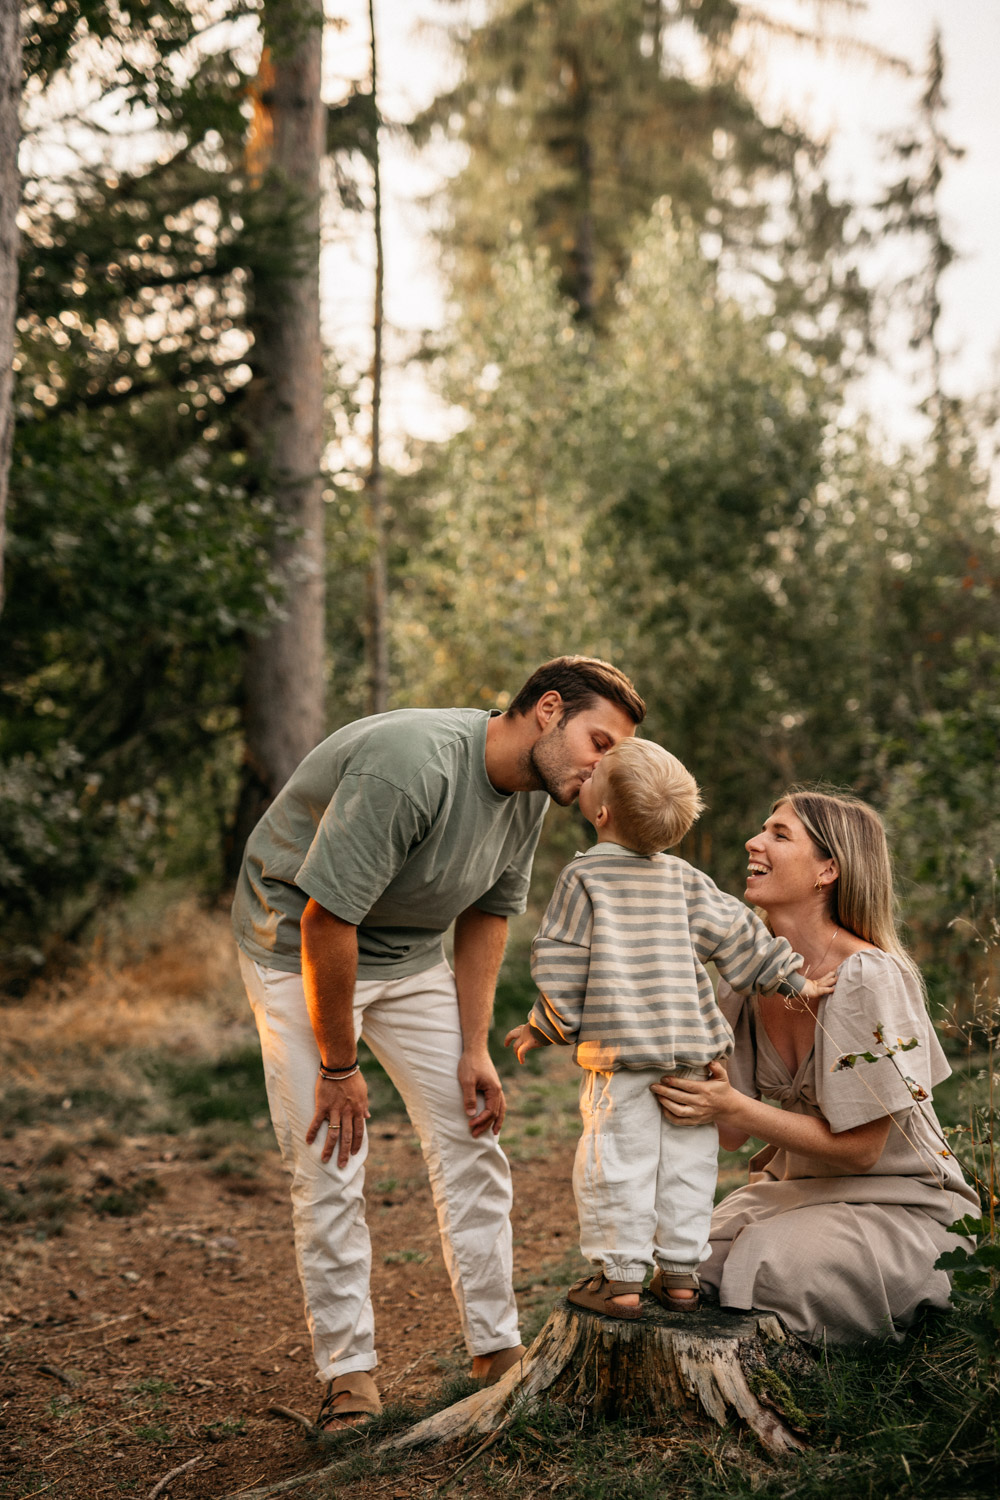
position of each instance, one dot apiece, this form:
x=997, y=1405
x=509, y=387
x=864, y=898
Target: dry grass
x=178, y=989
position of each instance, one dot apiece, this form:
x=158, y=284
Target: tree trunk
x=10, y=197
x=582, y=258
x=710, y=1363
x=378, y=587
x=284, y=678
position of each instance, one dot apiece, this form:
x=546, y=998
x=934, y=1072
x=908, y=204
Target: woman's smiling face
x=784, y=863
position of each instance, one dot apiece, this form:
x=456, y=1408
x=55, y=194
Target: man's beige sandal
x=595, y=1294
x=666, y=1282
x=349, y=1404
x=500, y=1363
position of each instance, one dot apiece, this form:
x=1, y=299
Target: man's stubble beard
x=546, y=764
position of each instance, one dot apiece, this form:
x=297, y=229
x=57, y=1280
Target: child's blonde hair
x=653, y=799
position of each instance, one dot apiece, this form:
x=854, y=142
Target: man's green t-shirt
x=393, y=825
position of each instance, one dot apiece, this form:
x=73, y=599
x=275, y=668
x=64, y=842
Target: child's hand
x=523, y=1038
x=815, y=989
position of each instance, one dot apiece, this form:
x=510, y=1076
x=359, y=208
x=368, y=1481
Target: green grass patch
x=239, y=1165
x=920, y=1419
x=225, y=1427
x=20, y=1107
x=229, y=1088
x=153, y=1389
x=43, y=1205
x=123, y=1202
x=153, y=1433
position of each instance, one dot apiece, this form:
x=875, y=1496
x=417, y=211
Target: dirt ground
x=158, y=1323
x=132, y=1346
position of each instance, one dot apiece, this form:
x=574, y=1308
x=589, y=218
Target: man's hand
x=482, y=1092
x=344, y=1106
x=523, y=1038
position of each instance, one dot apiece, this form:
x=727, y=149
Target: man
x=389, y=831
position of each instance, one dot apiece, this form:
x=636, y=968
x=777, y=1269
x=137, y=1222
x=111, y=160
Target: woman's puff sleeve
x=876, y=1005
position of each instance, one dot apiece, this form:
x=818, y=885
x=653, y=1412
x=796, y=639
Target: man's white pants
x=644, y=1187
x=412, y=1027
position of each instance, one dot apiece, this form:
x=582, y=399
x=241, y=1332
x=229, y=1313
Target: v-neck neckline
x=762, y=1029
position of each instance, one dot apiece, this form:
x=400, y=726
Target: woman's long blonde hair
x=863, y=897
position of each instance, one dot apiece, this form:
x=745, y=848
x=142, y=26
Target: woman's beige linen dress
x=843, y=1258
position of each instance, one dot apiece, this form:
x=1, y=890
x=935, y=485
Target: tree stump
x=721, y=1364
x=727, y=1366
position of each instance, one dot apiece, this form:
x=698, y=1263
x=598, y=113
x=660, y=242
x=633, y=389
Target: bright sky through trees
x=856, y=103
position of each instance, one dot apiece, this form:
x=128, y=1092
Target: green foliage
x=850, y=1059
x=579, y=116
x=143, y=525
x=943, y=802
x=709, y=451
x=975, y=1280
x=678, y=494
x=133, y=576
x=139, y=534
x=502, y=570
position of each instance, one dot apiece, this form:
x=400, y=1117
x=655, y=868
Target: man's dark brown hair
x=579, y=681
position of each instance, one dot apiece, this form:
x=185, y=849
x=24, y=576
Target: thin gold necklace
x=812, y=969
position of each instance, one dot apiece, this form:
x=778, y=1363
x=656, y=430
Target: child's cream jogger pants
x=644, y=1187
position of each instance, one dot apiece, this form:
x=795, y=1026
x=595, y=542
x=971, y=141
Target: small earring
x=819, y=885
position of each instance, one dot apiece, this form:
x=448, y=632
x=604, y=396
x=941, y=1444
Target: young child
x=620, y=962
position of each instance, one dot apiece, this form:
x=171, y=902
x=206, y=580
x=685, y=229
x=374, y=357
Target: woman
x=848, y=1205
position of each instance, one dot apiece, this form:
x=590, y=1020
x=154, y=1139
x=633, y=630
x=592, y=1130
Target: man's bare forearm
x=329, y=974
x=480, y=940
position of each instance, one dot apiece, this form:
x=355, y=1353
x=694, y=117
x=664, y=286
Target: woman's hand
x=694, y=1101
x=697, y=1101
x=523, y=1039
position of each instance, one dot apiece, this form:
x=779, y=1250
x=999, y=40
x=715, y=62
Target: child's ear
x=602, y=816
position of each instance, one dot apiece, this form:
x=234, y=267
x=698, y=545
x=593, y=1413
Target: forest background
x=660, y=319
x=659, y=315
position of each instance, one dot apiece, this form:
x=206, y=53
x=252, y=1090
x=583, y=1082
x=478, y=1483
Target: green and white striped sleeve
x=749, y=958
x=560, y=960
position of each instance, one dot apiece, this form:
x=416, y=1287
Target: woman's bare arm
x=691, y=1101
